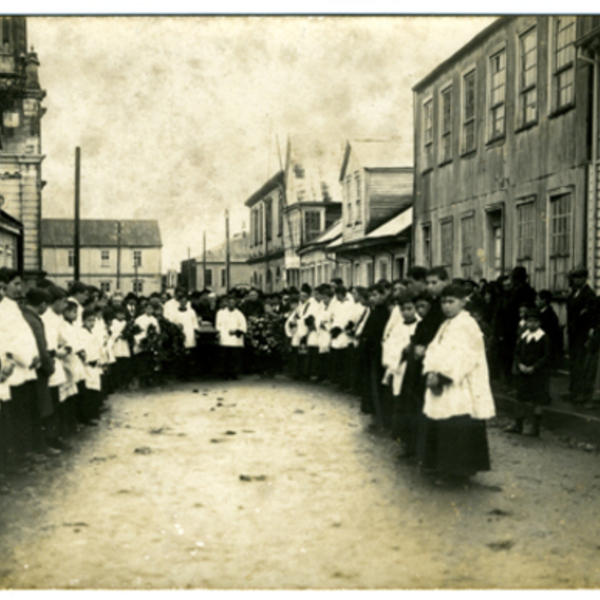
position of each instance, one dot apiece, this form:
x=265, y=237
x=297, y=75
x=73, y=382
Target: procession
x=381, y=371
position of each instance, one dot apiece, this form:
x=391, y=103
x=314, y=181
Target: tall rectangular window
x=528, y=72
x=497, y=94
x=467, y=244
x=447, y=244
x=268, y=219
x=526, y=234
x=427, y=245
x=261, y=221
x=104, y=258
x=137, y=258
x=428, y=134
x=208, y=278
x=223, y=278
x=446, y=126
x=138, y=286
x=358, y=198
x=564, y=62
x=383, y=274
x=468, y=112
x=71, y=258
x=349, y=215
x=281, y=208
x=312, y=225
x=561, y=239
x=105, y=287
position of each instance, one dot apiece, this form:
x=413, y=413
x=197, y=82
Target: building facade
x=11, y=242
x=317, y=262
x=501, y=147
x=20, y=138
x=377, y=193
x=124, y=255
x=194, y=276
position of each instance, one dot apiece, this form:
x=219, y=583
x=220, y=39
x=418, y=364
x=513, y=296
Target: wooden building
x=123, y=255
x=11, y=242
x=317, y=262
x=502, y=144
x=20, y=138
x=377, y=194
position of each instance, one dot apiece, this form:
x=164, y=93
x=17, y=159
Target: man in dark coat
x=581, y=320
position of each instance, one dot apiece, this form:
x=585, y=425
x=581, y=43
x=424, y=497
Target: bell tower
x=20, y=138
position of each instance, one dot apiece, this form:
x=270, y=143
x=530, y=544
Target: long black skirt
x=455, y=446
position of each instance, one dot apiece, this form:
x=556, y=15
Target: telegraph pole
x=189, y=269
x=204, y=259
x=227, y=257
x=118, y=255
x=76, y=237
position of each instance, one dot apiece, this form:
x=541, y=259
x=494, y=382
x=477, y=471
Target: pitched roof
x=329, y=235
x=394, y=226
x=269, y=186
x=378, y=154
x=101, y=232
x=239, y=250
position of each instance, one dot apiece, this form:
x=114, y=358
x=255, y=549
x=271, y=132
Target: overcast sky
x=178, y=117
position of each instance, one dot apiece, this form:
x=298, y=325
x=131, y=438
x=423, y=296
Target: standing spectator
x=549, y=323
x=231, y=325
x=581, y=320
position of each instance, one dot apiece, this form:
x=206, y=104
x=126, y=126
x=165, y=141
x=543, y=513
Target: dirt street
x=271, y=484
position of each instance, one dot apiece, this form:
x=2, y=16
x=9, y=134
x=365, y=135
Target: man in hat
x=581, y=320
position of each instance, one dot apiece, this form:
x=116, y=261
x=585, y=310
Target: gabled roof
x=275, y=181
x=101, y=233
x=376, y=154
x=239, y=250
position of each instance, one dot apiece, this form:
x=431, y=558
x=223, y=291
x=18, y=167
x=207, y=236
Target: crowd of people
x=419, y=352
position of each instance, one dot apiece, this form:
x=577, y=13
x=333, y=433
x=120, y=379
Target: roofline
x=398, y=169
x=102, y=220
x=312, y=204
x=491, y=28
x=269, y=186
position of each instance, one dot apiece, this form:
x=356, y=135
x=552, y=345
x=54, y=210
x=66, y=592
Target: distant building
x=214, y=278
x=124, y=255
x=20, y=138
x=503, y=142
x=317, y=262
x=377, y=192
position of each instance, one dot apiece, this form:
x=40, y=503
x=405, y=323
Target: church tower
x=20, y=139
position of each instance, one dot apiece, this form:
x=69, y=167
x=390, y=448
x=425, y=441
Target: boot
x=535, y=426
x=517, y=427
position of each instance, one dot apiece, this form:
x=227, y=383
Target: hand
x=433, y=380
x=420, y=351
x=36, y=363
x=62, y=352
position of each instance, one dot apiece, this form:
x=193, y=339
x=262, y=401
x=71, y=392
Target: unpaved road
x=153, y=499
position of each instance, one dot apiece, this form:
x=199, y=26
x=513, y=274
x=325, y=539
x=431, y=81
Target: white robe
x=189, y=322
x=74, y=371
x=324, y=325
x=458, y=352
x=342, y=315
x=52, y=326
x=292, y=330
x=228, y=321
x=120, y=346
x=93, y=352
x=144, y=321
x=396, y=367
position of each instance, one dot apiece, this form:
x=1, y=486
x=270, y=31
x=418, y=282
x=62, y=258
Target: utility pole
x=227, y=257
x=118, y=255
x=189, y=269
x=204, y=259
x=76, y=238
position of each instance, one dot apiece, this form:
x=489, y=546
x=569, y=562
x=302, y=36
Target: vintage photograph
x=299, y=302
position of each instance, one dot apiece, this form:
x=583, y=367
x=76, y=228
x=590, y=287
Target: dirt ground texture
x=262, y=484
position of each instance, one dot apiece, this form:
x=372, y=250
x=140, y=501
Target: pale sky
x=178, y=117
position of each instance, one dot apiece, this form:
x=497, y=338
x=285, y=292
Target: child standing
x=149, y=327
x=530, y=366
x=458, y=399
x=120, y=348
x=293, y=334
x=231, y=326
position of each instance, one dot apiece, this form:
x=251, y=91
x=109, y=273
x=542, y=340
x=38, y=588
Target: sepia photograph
x=299, y=302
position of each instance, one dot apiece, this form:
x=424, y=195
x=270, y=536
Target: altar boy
x=231, y=326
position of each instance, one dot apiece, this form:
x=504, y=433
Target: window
x=312, y=225
x=260, y=224
x=383, y=274
x=280, y=214
x=319, y=274
x=358, y=198
x=137, y=258
x=527, y=82
x=208, y=278
x=560, y=240
x=350, y=220
x=497, y=94
x=428, y=134
x=447, y=244
x=138, y=286
x=71, y=258
x=370, y=274
x=223, y=278
x=427, y=245
x=446, y=128
x=526, y=234
x=104, y=258
x=468, y=112
x=105, y=287
x=564, y=62
x=467, y=244
x=268, y=219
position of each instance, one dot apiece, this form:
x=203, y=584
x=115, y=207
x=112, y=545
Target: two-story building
x=318, y=262
x=124, y=255
x=377, y=194
x=209, y=271
x=502, y=144
x=20, y=138
x=11, y=242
